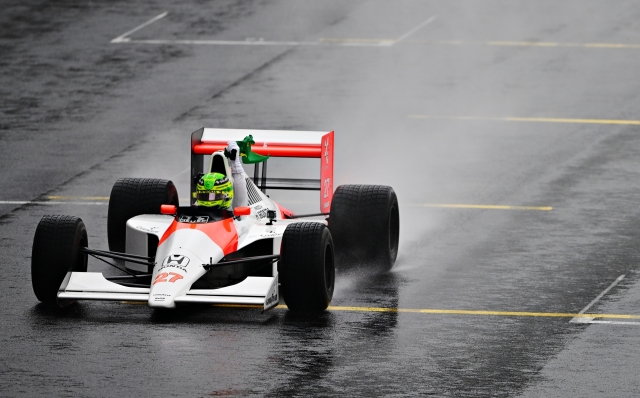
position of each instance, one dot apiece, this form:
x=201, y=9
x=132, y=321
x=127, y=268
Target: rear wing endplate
x=275, y=143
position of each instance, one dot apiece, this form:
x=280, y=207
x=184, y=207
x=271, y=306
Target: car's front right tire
x=55, y=252
x=306, y=267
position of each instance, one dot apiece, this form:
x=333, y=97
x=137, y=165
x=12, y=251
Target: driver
x=214, y=190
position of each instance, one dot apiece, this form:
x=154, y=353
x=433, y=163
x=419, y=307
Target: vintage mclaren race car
x=251, y=255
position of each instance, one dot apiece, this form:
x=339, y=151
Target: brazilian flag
x=248, y=157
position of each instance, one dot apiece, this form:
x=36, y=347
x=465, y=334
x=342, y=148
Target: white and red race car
x=252, y=255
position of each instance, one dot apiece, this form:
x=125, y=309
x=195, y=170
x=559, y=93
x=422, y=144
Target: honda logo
x=326, y=151
x=176, y=260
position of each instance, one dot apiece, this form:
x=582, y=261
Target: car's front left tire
x=55, y=252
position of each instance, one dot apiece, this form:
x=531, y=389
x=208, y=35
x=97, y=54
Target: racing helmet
x=214, y=190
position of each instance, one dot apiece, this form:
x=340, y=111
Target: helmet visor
x=211, y=196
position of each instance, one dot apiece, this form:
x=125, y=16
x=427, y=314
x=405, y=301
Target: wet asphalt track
x=417, y=92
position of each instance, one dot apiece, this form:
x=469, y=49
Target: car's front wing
x=251, y=291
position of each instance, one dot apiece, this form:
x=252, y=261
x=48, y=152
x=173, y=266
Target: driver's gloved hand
x=233, y=151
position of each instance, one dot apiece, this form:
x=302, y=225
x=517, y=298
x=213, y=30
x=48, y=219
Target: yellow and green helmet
x=214, y=190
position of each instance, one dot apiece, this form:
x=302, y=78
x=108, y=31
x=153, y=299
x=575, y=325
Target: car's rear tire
x=306, y=267
x=132, y=197
x=365, y=225
x=54, y=253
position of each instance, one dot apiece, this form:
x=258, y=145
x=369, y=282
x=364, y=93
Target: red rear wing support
x=275, y=143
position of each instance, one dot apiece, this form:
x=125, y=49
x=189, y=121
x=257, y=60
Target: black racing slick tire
x=54, y=253
x=306, y=267
x=132, y=197
x=365, y=225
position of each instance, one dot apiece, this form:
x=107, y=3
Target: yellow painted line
x=529, y=44
x=440, y=205
x=533, y=119
x=455, y=312
x=558, y=120
x=482, y=312
x=244, y=306
x=452, y=206
x=356, y=40
x=523, y=44
x=496, y=43
x=553, y=44
x=499, y=43
x=486, y=207
x=97, y=198
x=440, y=311
x=611, y=45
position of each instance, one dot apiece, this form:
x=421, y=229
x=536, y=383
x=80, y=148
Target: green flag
x=248, y=157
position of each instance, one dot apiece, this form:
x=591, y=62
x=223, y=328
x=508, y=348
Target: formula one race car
x=250, y=255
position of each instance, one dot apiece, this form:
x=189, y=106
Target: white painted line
x=69, y=203
x=123, y=38
x=230, y=42
x=614, y=322
x=414, y=30
x=601, y=295
x=595, y=300
x=257, y=43
x=383, y=43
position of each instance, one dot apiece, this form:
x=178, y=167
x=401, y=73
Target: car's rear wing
x=275, y=143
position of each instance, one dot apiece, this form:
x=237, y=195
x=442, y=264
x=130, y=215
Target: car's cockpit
x=201, y=214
